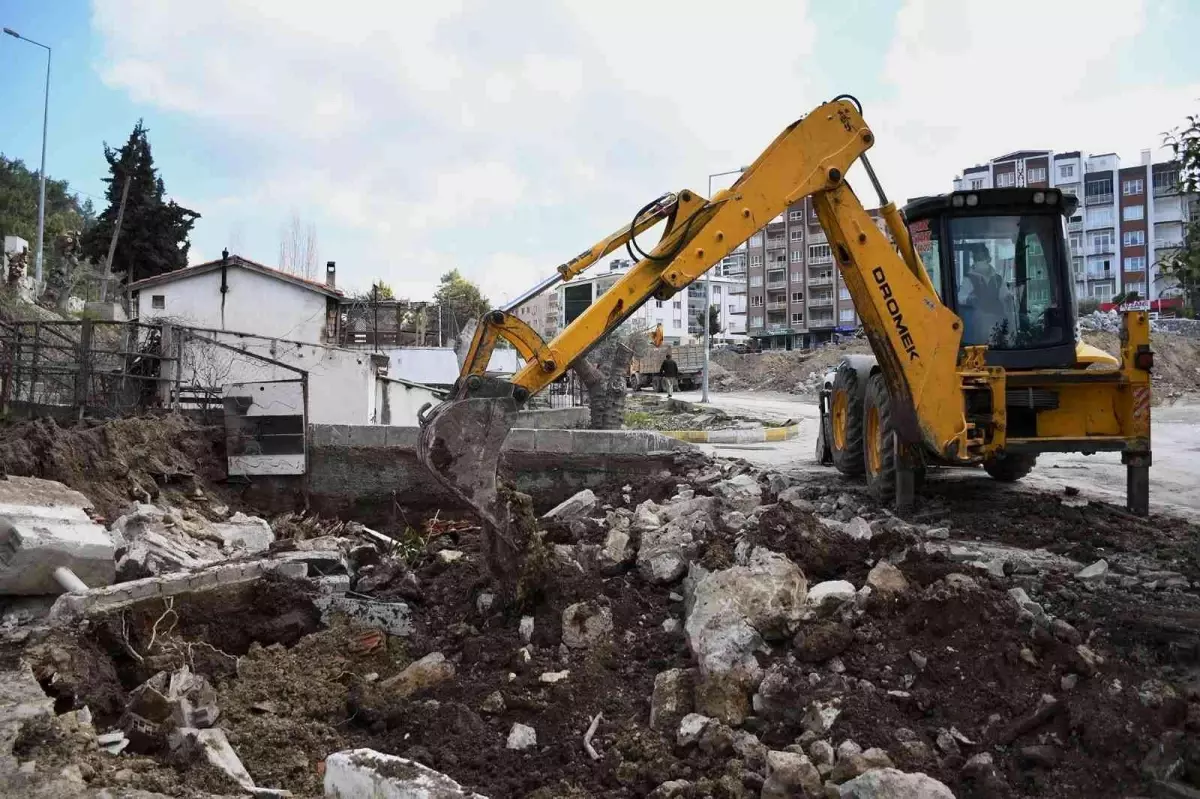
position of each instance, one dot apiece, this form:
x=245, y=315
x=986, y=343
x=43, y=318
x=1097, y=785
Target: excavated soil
x=118, y=460
x=795, y=371
x=949, y=661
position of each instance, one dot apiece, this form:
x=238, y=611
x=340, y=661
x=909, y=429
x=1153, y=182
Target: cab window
x=928, y=247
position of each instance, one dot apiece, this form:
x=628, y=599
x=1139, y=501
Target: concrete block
x=339, y=434
x=43, y=525
x=394, y=618
x=595, y=442
x=367, y=435
x=246, y=532
x=559, y=441
x=521, y=439
x=402, y=437
x=631, y=442
x=71, y=607
x=319, y=435
x=355, y=773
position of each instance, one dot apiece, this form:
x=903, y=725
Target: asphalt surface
x=1174, y=476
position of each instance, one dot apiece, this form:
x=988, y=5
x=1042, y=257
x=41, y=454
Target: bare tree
x=298, y=248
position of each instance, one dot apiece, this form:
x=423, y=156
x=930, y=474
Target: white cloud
x=971, y=81
x=502, y=139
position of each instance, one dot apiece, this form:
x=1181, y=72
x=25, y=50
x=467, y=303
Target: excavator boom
x=461, y=438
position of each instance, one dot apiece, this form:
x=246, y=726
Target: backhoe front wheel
x=846, y=422
x=1009, y=468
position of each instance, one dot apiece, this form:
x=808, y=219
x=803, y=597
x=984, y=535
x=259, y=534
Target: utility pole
x=112, y=244
x=441, y=337
x=707, y=323
x=41, y=234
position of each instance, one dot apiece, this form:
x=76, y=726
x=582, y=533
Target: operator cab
x=998, y=259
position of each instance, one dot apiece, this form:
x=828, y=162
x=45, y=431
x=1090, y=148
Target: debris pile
x=740, y=634
x=1110, y=322
x=793, y=371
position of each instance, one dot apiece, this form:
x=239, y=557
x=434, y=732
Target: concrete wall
x=341, y=383
x=397, y=403
x=364, y=472
x=555, y=418
x=254, y=303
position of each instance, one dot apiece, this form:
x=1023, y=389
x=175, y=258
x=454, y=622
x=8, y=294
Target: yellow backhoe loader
x=967, y=303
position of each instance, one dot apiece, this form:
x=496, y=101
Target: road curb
x=756, y=436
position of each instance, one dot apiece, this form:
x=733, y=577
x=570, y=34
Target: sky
x=503, y=137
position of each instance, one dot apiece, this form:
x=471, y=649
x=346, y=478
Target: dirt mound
x=795, y=371
x=1176, y=362
x=116, y=461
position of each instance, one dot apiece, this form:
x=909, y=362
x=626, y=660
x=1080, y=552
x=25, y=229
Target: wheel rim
x=874, y=441
x=841, y=416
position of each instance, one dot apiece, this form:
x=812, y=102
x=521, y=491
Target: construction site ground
x=977, y=640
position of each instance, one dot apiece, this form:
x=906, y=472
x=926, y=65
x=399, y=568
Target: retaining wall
x=364, y=472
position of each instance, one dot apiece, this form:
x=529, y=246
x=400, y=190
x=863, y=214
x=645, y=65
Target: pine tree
x=154, y=232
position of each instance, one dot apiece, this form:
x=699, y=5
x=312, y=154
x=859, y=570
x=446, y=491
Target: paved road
x=1174, y=477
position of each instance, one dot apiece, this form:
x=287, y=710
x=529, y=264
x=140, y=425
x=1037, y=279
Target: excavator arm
x=916, y=336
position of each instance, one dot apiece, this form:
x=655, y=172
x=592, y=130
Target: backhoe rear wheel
x=846, y=422
x=1009, y=468
x=879, y=445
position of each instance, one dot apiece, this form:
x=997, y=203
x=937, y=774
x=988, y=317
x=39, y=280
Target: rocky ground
x=653, y=411
x=717, y=632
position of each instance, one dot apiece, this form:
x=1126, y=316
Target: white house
x=250, y=324
x=237, y=294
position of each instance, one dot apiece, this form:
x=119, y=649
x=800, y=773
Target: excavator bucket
x=460, y=444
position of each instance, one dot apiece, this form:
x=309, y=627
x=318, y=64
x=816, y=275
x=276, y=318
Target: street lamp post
x=41, y=232
x=706, y=318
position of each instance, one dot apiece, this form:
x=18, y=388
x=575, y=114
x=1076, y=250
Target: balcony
x=820, y=260
x=1099, y=274
x=1098, y=199
x=781, y=283
x=1170, y=215
x=777, y=306
x=818, y=238
x=820, y=302
x=820, y=321
x=1100, y=249
x=1167, y=244
x=1075, y=227
x=820, y=281
x=1166, y=188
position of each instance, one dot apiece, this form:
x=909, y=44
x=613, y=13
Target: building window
x=1134, y=238
x=756, y=240
x=1138, y=286
x=797, y=277
x=756, y=301
x=756, y=260
x=1102, y=242
x=716, y=291
x=1066, y=171
x=1098, y=190
x=158, y=301
x=797, y=256
x=796, y=235
x=797, y=296
x=1132, y=213
x=1035, y=175
x=846, y=315
x=819, y=253
x=732, y=309
x=1131, y=187
x=1006, y=180
x=1102, y=291
x=677, y=304
x=798, y=318
x=976, y=183
x=1100, y=217
x=756, y=280
x=756, y=320
x=795, y=216
x=658, y=303
x=844, y=293
x=677, y=322
x=1136, y=263
x=1075, y=242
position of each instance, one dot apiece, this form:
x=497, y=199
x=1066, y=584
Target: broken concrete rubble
x=356, y=773
x=190, y=743
x=586, y=624
x=574, y=507
x=672, y=698
x=43, y=526
x=729, y=613
x=889, y=783
x=420, y=675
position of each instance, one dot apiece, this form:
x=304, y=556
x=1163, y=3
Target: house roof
x=243, y=263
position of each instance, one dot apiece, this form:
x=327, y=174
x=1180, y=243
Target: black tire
x=847, y=449
x=824, y=454
x=1009, y=468
x=880, y=471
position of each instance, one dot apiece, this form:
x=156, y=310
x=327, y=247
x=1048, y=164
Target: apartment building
x=796, y=297
x=1129, y=217
x=679, y=315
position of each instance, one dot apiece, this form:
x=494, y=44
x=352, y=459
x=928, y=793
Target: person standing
x=670, y=373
